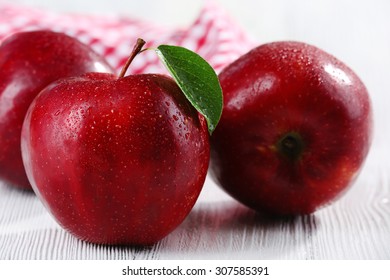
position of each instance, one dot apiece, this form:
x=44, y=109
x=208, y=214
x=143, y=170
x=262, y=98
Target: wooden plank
x=355, y=227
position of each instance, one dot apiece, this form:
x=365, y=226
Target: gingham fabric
x=214, y=35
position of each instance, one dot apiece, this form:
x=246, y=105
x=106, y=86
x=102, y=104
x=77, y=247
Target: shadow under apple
x=230, y=230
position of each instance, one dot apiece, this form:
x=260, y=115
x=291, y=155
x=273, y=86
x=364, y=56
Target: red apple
x=28, y=62
x=295, y=130
x=116, y=160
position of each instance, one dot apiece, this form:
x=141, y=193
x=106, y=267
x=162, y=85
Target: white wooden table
x=355, y=227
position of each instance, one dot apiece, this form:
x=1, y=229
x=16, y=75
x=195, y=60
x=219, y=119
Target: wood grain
x=355, y=227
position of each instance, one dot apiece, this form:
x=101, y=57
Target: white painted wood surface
x=355, y=227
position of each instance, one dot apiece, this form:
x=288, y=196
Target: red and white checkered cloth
x=214, y=34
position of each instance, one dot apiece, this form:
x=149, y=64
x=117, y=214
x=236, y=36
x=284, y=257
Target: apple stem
x=136, y=50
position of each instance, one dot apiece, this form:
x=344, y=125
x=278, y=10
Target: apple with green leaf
x=295, y=129
x=122, y=159
x=29, y=61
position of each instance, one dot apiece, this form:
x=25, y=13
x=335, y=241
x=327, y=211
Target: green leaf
x=197, y=79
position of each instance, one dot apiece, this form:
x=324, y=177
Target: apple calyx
x=136, y=50
x=291, y=146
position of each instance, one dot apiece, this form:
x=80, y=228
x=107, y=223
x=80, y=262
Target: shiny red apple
x=29, y=61
x=295, y=130
x=116, y=160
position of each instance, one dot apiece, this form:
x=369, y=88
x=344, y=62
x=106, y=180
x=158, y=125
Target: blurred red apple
x=29, y=61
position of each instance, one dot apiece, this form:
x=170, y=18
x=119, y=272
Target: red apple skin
x=295, y=130
x=116, y=160
x=28, y=62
